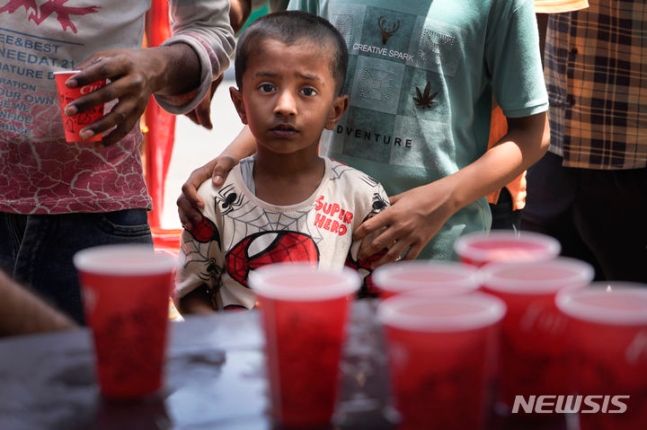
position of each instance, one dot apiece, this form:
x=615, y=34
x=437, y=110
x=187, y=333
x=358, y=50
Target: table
x=215, y=380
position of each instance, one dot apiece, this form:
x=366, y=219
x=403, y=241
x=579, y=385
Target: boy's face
x=288, y=95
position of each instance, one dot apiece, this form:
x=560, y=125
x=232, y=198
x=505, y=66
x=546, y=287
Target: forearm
x=243, y=145
x=524, y=144
x=23, y=312
x=203, y=27
x=178, y=69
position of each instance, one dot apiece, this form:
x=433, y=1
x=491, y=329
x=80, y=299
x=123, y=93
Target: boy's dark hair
x=291, y=27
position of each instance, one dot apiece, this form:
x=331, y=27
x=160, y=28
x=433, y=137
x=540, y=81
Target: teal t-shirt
x=421, y=78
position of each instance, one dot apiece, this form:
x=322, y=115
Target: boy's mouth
x=284, y=128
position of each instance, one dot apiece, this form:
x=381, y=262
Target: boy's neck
x=284, y=180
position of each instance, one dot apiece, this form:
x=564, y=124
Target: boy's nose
x=285, y=104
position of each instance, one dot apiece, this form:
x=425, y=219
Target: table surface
x=215, y=378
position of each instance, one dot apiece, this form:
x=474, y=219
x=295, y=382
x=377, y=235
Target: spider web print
x=338, y=170
x=245, y=218
x=198, y=255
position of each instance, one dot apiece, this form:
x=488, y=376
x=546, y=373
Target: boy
x=421, y=80
x=286, y=203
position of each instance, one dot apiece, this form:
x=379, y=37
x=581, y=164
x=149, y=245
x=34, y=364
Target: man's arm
x=417, y=215
x=179, y=73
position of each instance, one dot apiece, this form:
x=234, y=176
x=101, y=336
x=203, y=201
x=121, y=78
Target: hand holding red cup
x=74, y=124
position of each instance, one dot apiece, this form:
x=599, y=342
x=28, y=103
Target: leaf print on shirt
x=425, y=99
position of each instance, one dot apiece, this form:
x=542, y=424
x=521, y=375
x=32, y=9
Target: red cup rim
x=462, y=245
x=388, y=277
x=512, y=277
x=284, y=281
x=593, y=304
x=430, y=314
x=64, y=72
x=126, y=260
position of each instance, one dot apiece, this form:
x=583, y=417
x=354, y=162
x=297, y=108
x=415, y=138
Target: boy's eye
x=309, y=92
x=266, y=88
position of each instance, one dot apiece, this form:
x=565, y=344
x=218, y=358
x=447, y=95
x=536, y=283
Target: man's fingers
x=190, y=192
x=396, y=253
x=187, y=212
x=204, y=119
x=192, y=116
x=221, y=169
x=219, y=175
x=202, y=113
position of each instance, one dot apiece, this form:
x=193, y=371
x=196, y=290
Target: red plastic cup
x=607, y=326
x=304, y=313
x=440, y=351
x=533, y=342
x=126, y=290
x=432, y=278
x=74, y=124
x=480, y=248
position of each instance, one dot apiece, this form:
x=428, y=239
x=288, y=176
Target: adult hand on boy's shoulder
x=189, y=202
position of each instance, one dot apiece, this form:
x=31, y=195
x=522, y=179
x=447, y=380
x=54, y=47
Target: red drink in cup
x=431, y=278
x=480, y=248
x=607, y=327
x=533, y=341
x=440, y=351
x=126, y=290
x=74, y=124
x=304, y=313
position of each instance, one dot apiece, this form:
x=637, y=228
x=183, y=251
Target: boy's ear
x=237, y=98
x=339, y=106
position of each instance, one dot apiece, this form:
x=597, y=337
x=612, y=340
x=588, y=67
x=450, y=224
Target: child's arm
x=189, y=202
x=418, y=214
